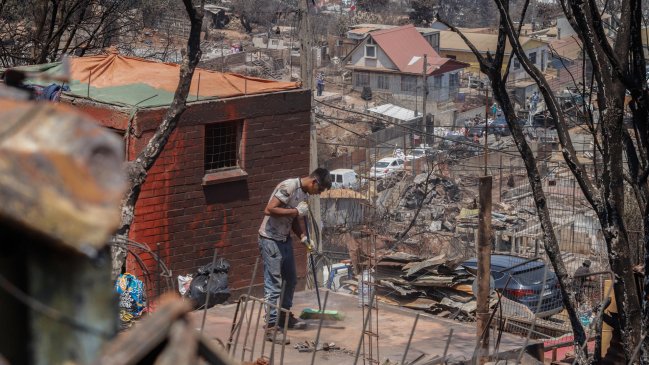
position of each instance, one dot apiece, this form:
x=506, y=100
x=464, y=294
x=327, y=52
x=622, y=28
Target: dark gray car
x=521, y=279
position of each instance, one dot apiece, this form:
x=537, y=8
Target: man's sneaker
x=293, y=323
x=275, y=335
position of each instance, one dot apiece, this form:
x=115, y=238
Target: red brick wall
x=188, y=219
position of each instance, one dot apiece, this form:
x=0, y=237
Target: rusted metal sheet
x=60, y=174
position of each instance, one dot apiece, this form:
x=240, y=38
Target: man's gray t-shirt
x=290, y=194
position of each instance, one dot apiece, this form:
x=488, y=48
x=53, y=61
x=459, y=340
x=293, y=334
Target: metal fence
x=530, y=304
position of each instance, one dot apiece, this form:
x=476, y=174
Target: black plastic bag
x=218, y=284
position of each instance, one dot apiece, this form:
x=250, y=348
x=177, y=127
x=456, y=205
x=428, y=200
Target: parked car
x=386, y=166
x=521, y=279
x=455, y=140
x=499, y=126
x=476, y=83
x=543, y=119
x=417, y=153
x=344, y=178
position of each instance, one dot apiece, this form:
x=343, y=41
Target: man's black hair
x=323, y=177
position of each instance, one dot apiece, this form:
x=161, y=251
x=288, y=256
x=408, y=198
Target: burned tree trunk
x=137, y=169
x=606, y=196
x=492, y=67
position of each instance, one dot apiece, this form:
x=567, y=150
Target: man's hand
x=308, y=244
x=302, y=209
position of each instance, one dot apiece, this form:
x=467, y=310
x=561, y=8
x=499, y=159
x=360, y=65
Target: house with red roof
x=391, y=62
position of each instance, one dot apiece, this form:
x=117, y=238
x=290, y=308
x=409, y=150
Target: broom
x=310, y=313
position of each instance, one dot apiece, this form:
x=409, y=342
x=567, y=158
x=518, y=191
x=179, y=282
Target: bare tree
x=618, y=68
x=39, y=31
x=492, y=66
x=137, y=169
x=261, y=12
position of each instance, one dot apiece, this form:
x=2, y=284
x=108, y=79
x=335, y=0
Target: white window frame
x=368, y=46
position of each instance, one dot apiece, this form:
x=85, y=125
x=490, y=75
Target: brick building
x=210, y=185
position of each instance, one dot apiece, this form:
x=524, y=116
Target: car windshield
x=533, y=276
x=381, y=164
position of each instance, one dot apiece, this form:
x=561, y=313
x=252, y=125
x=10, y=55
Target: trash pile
x=212, y=278
x=432, y=285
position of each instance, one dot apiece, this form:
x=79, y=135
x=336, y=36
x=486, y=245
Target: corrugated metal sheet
x=395, y=112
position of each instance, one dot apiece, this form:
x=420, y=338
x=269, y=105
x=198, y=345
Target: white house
x=391, y=62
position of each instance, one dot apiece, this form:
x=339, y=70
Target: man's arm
x=275, y=208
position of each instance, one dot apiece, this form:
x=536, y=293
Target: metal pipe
x=254, y=336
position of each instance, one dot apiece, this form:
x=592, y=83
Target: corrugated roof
x=567, y=48
x=395, y=112
x=342, y=194
x=449, y=41
x=405, y=46
x=122, y=80
x=361, y=30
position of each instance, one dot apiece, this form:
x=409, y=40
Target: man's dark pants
x=279, y=264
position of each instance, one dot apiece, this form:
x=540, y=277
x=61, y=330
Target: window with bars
x=383, y=82
x=222, y=145
x=408, y=83
x=362, y=79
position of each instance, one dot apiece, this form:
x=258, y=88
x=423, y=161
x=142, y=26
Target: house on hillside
x=208, y=188
x=390, y=62
x=358, y=32
x=452, y=46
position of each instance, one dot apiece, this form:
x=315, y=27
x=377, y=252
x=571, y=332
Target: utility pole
x=486, y=128
x=424, y=74
x=484, y=268
x=306, y=74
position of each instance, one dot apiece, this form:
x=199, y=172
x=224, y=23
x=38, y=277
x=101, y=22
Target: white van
x=344, y=178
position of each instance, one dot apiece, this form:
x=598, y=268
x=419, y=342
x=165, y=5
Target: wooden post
x=306, y=74
x=500, y=171
x=484, y=267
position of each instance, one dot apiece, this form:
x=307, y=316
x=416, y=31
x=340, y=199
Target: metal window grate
x=221, y=145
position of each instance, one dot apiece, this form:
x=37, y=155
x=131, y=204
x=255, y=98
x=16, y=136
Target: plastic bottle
x=365, y=288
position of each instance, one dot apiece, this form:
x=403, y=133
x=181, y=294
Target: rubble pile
x=436, y=200
x=432, y=285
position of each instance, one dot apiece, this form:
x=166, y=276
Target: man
x=580, y=281
x=320, y=83
x=284, y=212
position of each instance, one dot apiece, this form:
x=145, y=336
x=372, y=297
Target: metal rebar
x=448, y=342
x=367, y=318
x=159, y=269
x=254, y=336
x=234, y=324
x=198, y=87
x=279, y=307
x=246, y=335
x=317, y=336
x=88, y=89
x=245, y=304
x=207, y=296
x=412, y=332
